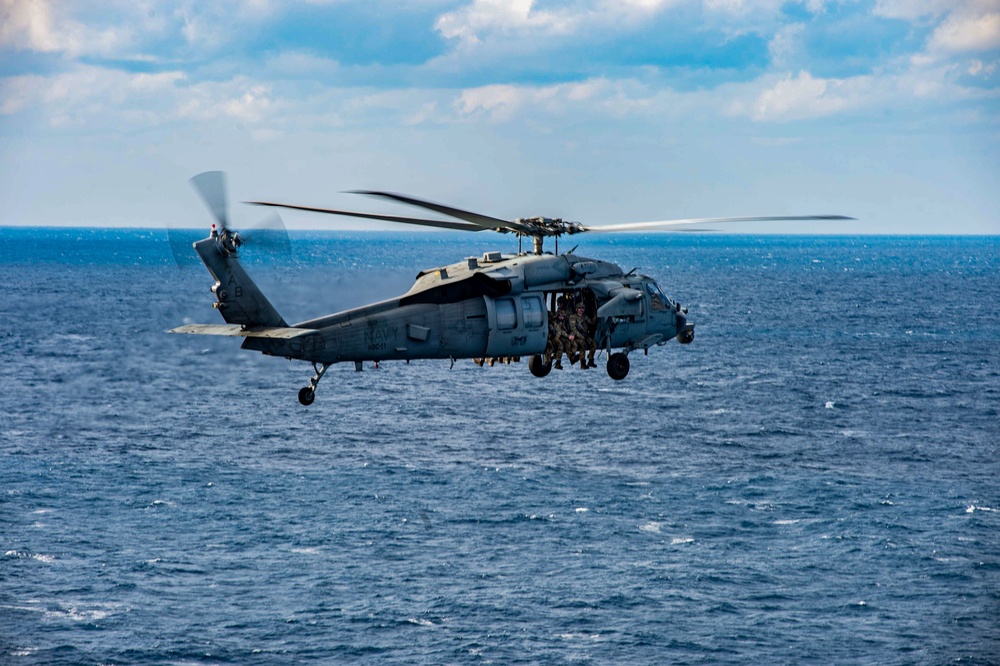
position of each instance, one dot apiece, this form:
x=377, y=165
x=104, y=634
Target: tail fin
x=238, y=299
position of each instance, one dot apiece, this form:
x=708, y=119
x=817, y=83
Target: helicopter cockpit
x=658, y=302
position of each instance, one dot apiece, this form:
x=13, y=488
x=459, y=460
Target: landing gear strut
x=618, y=366
x=308, y=393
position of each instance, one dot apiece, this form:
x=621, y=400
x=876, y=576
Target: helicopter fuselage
x=494, y=306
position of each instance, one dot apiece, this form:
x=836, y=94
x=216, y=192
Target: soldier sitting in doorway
x=563, y=339
x=580, y=336
x=589, y=300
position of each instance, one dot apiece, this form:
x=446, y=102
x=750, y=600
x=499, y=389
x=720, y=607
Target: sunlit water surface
x=814, y=479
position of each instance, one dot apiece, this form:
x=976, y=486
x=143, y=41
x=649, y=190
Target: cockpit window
x=657, y=300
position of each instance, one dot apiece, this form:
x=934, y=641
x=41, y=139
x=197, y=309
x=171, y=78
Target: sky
x=597, y=111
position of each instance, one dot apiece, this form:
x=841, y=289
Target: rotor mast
x=537, y=240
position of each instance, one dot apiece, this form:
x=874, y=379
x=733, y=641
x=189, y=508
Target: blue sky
x=598, y=111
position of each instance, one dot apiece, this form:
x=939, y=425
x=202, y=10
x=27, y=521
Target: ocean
x=814, y=479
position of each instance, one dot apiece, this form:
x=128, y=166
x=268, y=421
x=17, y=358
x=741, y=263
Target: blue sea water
x=815, y=479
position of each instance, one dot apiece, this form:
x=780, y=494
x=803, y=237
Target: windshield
x=657, y=300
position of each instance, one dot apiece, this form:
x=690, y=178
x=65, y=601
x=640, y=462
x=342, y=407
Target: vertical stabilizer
x=237, y=297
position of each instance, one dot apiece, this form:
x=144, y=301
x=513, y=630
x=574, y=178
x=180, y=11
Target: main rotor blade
x=211, y=185
x=484, y=221
x=442, y=224
x=669, y=224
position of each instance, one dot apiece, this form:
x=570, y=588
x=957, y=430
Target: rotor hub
x=539, y=226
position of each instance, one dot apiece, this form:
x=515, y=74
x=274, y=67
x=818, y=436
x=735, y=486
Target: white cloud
x=27, y=26
x=804, y=97
x=94, y=96
x=474, y=23
x=470, y=22
x=594, y=97
x=291, y=89
x=785, y=48
x=912, y=10
x=979, y=68
x=923, y=85
x=501, y=102
x=745, y=6
x=19, y=92
x=967, y=32
x=126, y=29
x=645, y=5
x=49, y=27
x=112, y=101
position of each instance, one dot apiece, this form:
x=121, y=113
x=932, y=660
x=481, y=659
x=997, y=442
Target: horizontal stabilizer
x=235, y=330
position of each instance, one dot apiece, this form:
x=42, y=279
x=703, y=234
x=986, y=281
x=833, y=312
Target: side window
x=506, y=313
x=531, y=306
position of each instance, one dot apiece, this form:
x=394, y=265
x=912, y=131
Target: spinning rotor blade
x=181, y=241
x=269, y=235
x=669, y=224
x=211, y=185
x=483, y=221
x=443, y=224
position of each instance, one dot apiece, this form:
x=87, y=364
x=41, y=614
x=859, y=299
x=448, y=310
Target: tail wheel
x=539, y=367
x=618, y=366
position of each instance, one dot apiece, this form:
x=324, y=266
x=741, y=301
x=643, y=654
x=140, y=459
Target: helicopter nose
x=685, y=331
x=680, y=316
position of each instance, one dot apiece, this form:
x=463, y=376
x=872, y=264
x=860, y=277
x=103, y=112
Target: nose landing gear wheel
x=306, y=395
x=538, y=367
x=618, y=366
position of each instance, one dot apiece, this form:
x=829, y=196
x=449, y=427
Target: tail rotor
x=268, y=235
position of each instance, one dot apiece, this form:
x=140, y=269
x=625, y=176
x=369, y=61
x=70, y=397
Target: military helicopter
x=494, y=306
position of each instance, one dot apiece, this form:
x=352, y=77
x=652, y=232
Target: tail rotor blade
x=181, y=240
x=211, y=185
x=268, y=235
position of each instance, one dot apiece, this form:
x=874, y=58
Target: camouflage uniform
x=561, y=343
x=592, y=322
x=579, y=329
x=589, y=301
x=550, y=341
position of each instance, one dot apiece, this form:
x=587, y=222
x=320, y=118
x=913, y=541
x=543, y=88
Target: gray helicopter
x=497, y=306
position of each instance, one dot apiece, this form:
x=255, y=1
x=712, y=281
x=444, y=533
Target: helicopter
x=494, y=306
